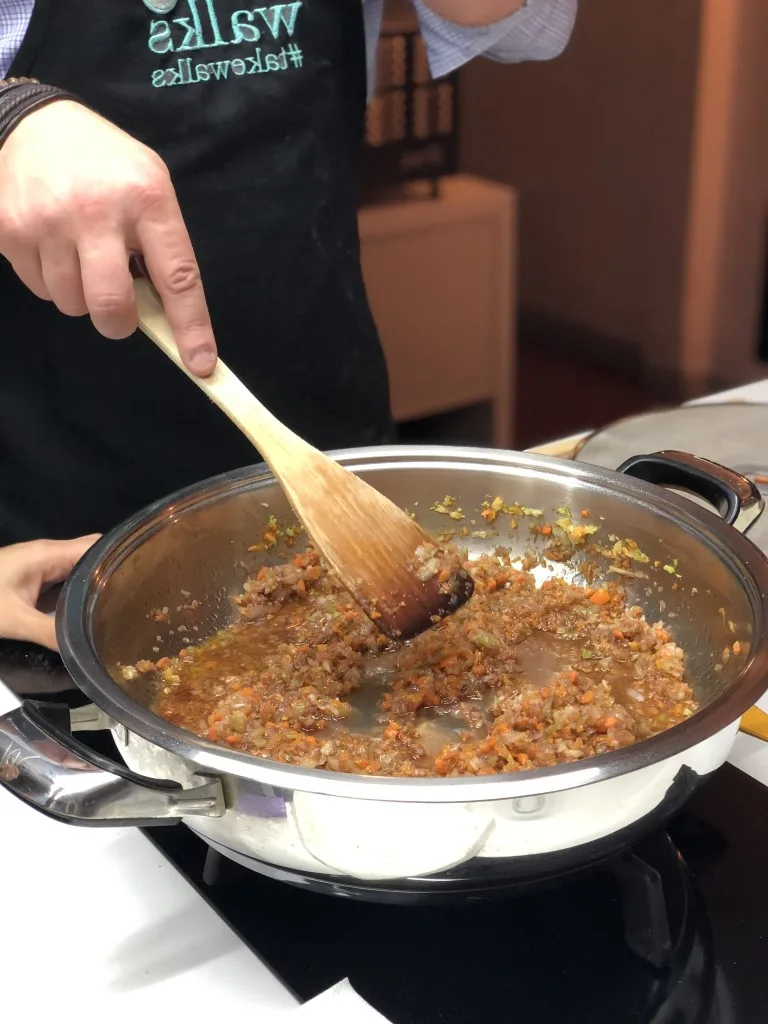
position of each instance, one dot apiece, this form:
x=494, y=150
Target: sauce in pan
x=520, y=677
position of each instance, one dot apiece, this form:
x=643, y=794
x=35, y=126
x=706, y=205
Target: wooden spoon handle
x=223, y=387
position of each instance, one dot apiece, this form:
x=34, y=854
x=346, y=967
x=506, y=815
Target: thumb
x=19, y=621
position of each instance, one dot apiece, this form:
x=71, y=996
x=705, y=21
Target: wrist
x=20, y=97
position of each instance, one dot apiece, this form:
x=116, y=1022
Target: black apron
x=258, y=114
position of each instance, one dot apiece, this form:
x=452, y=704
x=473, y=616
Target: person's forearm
x=474, y=12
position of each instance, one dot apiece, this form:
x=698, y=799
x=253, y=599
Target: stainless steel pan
x=380, y=836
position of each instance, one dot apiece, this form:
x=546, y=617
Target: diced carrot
x=213, y=733
x=233, y=739
x=491, y=584
x=546, y=530
x=247, y=691
x=163, y=663
x=604, y=724
x=600, y=597
x=585, y=513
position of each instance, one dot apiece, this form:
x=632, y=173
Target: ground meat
x=520, y=677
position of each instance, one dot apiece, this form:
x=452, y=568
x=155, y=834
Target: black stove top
x=673, y=932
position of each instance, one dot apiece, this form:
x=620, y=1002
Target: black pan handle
x=735, y=497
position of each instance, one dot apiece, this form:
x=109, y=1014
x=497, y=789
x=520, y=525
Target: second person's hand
x=26, y=570
x=78, y=195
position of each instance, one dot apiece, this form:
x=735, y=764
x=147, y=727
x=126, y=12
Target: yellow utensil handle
x=755, y=723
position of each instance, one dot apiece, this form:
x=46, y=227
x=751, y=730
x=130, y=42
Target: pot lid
x=735, y=435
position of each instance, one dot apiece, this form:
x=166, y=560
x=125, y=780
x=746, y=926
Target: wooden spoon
x=397, y=574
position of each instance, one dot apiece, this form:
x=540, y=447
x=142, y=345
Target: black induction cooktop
x=674, y=931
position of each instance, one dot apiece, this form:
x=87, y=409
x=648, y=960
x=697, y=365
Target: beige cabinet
x=441, y=278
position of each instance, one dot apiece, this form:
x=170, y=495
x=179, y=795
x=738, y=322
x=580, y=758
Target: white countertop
x=125, y=936
x=128, y=938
